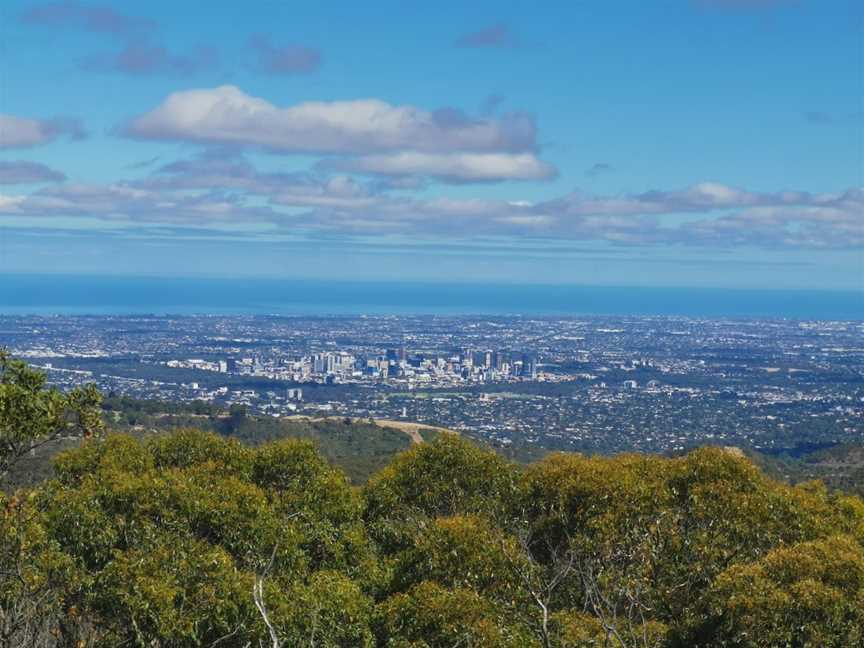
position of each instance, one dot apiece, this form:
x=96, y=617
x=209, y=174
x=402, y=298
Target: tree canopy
x=190, y=539
x=31, y=415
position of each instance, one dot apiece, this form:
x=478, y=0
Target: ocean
x=102, y=295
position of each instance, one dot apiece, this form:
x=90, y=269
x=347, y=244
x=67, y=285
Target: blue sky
x=683, y=142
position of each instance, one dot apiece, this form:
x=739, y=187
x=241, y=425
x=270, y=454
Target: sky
x=699, y=143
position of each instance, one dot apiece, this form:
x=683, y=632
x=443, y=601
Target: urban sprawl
x=587, y=383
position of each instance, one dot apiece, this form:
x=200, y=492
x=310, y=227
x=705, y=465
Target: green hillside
x=359, y=447
x=840, y=467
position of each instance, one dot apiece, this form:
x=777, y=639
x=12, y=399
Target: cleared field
x=412, y=430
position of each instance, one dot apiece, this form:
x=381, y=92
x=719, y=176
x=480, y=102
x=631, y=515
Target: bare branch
x=258, y=597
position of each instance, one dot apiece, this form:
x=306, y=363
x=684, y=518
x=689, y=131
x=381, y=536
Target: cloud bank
x=223, y=187
x=450, y=167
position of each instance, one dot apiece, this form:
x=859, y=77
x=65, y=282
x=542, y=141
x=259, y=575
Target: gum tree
x=32, y=415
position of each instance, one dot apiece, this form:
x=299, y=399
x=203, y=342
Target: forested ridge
x=192, y=539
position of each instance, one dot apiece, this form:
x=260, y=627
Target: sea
x=55, y=294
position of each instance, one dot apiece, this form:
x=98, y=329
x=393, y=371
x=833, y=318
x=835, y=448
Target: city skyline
x=712, y=143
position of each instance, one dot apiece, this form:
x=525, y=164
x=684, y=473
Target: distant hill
x=840, y=467
x=360, y=447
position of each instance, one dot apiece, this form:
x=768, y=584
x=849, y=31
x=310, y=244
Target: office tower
x=529, y=366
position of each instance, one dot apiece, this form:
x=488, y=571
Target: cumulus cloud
x=285, y=59
x=24, y=132
x=450, y=167
x=227, y=115
x=21, y=172
x=497, y=35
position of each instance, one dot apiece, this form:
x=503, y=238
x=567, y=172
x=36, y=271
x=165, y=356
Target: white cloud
x=218, y=189
x=451, y=167
x=10, y=204
x=227, y=115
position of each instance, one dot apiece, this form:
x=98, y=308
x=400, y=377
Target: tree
x=450, y=476
x=32, y=415
x=189, y=539
x=809, y=594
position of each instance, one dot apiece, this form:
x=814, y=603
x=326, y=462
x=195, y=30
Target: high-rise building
x=502, y=359
x=319, y=363
x=339, y=362
x=490, y=359
x=529, y=366
x=397, y=355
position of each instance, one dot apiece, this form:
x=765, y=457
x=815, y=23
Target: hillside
x=187, y=538
x=359, y=447
x=840, y=467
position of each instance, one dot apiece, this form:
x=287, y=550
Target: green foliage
x=330, y=610
x=463, y=552
x=577, y=630
x=450, y=476
x=189, y=447
x=166, y=536
x=32, y=415
x=431, y=616
x=192, y=539
x=809, y=594
x=185, y=593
